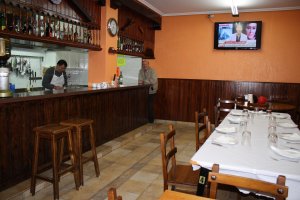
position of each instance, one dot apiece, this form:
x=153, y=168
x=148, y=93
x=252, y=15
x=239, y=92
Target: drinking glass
x=272, y=121
x=269, y=113
x=272, y=136
x=245, y=114
x=246, y=138
x=256, y=110
x=243, y=126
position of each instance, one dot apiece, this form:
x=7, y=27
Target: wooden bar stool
x=78, y=124
x=55, y=134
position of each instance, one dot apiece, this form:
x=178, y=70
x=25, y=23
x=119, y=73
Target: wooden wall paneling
x=178, y=99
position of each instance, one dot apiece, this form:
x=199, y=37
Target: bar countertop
x=36, y=95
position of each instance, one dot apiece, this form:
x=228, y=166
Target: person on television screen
x=238, y=36
x=251, y=31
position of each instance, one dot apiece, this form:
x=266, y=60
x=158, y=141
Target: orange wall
x=184, y=49
x=102, y=65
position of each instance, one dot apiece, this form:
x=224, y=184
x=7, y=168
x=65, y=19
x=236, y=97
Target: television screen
x=238, y=35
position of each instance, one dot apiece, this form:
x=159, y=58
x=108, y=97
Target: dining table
x=173, y=195
x=248, y=151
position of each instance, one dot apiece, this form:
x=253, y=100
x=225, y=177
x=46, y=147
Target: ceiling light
x=234, y=9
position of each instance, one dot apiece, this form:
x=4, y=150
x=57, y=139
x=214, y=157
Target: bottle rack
x=23, y=23
x=129, y=46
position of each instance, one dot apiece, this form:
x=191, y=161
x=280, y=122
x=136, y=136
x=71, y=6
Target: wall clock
x=56, y=1
x=112, y=27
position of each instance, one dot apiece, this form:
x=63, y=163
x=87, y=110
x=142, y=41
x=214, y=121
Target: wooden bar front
x=115, y=111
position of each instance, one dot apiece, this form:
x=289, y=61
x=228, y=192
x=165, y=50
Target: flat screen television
x=243, y=35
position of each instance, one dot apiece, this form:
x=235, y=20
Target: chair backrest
x=222, y=108
x=201, y=120
x=168, y=154
x=277, y=190
x=112, y=194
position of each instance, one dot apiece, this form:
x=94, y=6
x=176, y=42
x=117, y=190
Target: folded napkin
x=287, y=125
x=289, y=153
x=290, y=136
x=225, y=139
x=226, y=129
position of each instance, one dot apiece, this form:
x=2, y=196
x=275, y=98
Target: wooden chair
x=298, y=116
x=181, y=176
x=222, y=108
x=277, y=190
x=201, y=120
x=112, y=194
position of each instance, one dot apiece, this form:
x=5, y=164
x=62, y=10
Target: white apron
x=57, y=80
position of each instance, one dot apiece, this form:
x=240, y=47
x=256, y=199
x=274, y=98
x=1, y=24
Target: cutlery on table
x=284, y=159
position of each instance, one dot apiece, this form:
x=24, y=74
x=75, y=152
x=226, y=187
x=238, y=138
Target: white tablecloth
x=252, y=161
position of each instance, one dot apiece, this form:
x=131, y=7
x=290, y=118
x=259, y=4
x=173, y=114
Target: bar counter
x=115, y=111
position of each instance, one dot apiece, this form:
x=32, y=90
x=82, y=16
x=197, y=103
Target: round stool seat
x=52, y=128
x=78, y=124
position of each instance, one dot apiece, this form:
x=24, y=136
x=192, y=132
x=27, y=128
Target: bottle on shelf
x=2, y=21
x=9, y=18
x=41, y=25
x=24, y=21
x=89, y=37
x=121, y=78
x=118, y=43
x=16, y=19
x=49, y=30
x=30, y=24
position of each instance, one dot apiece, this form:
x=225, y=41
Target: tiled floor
x=131, y=163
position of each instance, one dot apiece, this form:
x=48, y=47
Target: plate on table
x=293, y=137
x=288, y=153
x=226, y=129
x=234, y=120
x=237, y=113
x=280, y=116
x=287, y=125
x=225, y=139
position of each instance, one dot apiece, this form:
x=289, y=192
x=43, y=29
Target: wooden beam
x=82, y=10
x=139, y=8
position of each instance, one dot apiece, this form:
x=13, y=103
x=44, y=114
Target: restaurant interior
x=226, y=111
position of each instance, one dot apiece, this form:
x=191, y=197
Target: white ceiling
x=190, y=7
